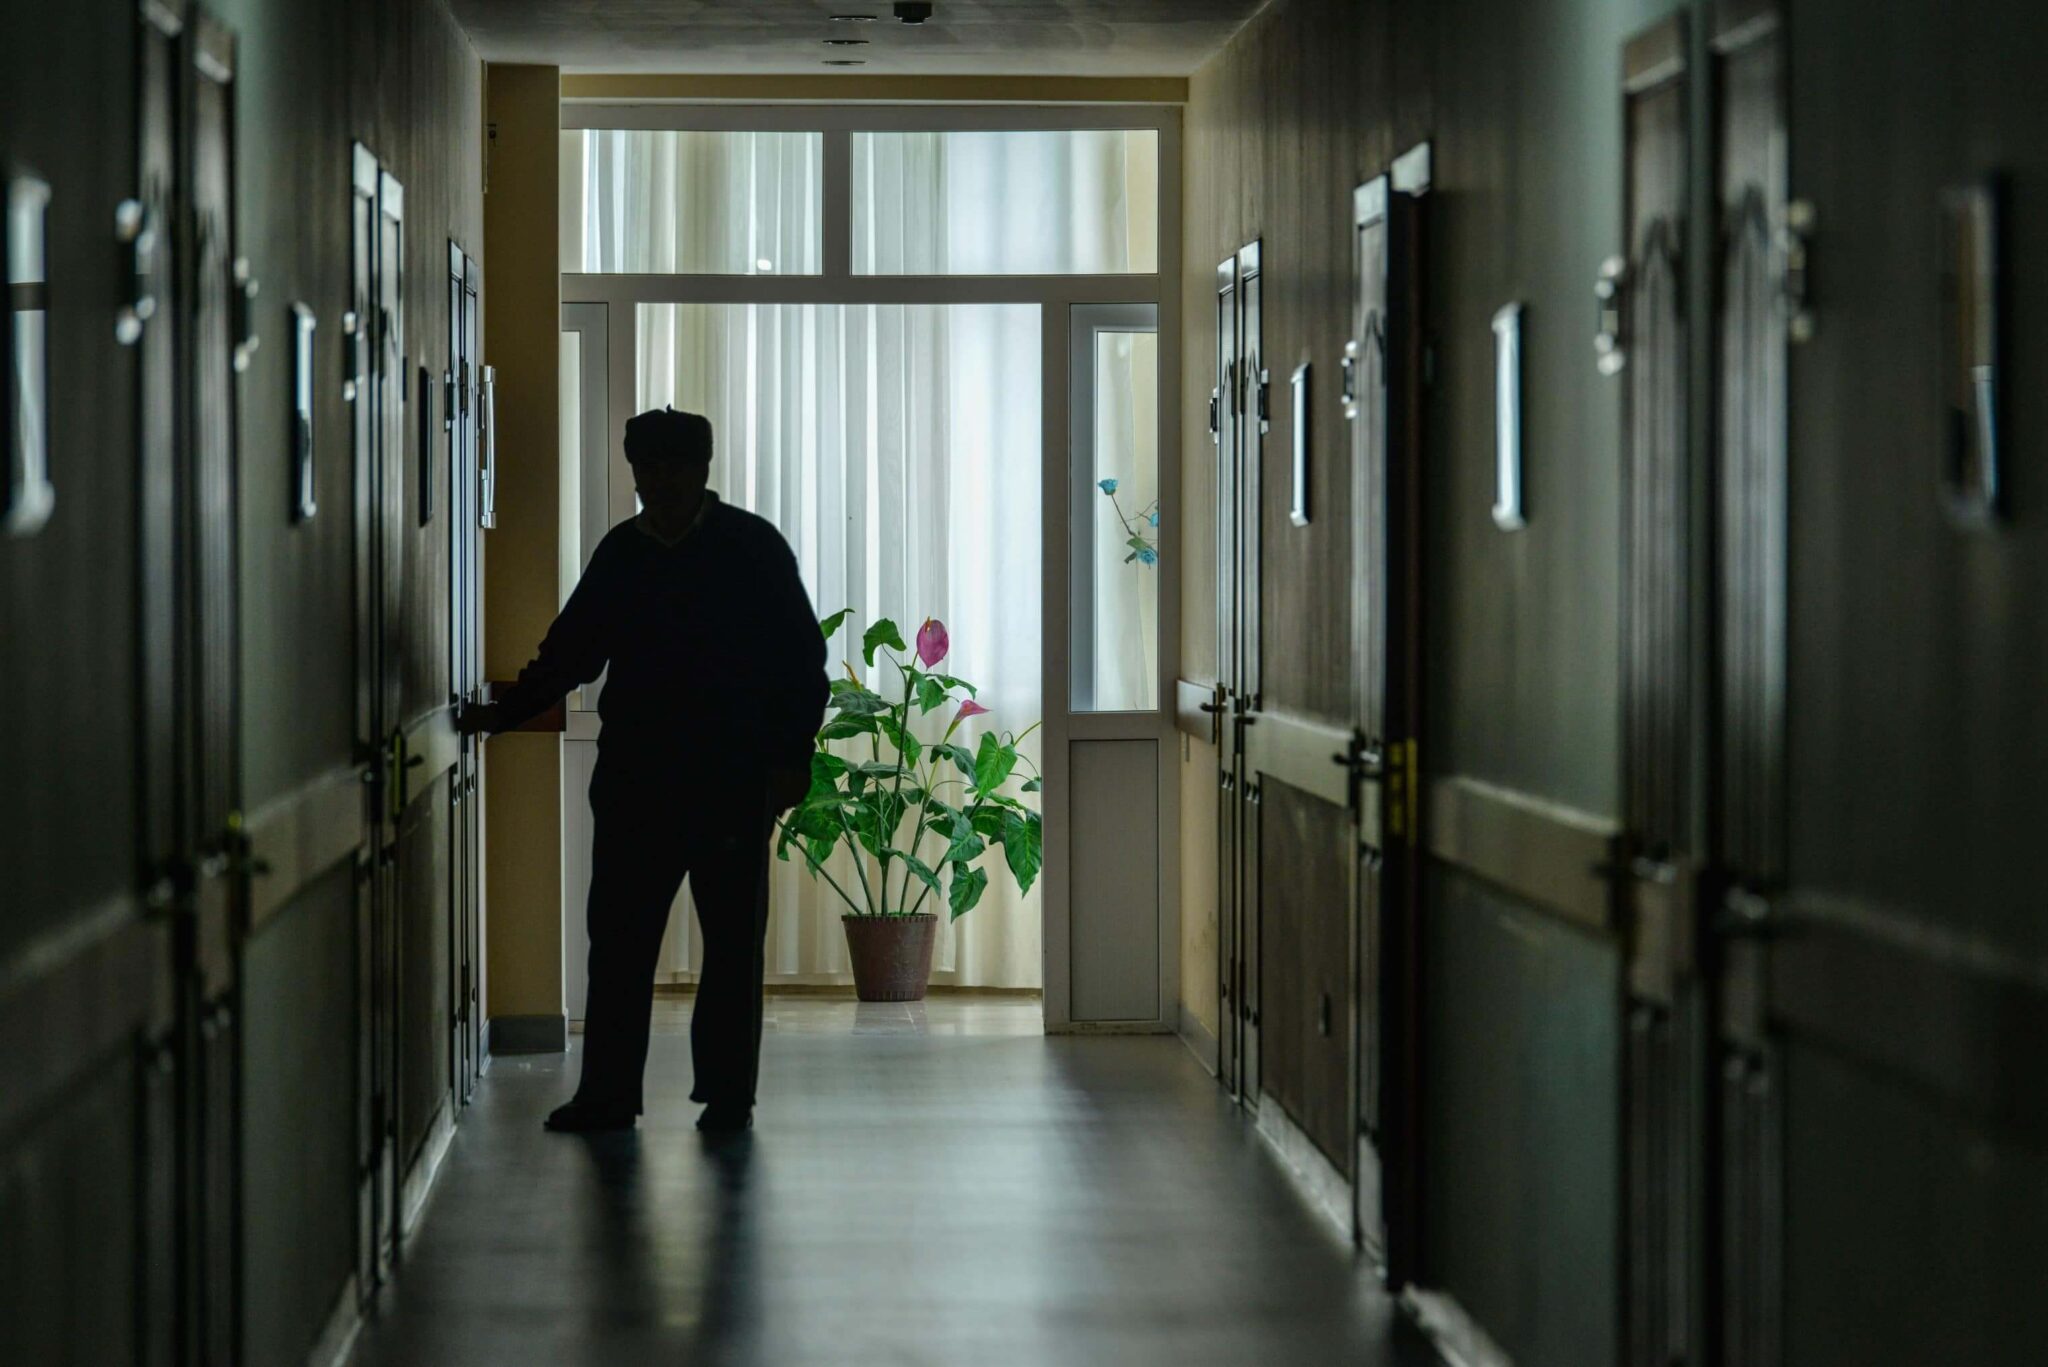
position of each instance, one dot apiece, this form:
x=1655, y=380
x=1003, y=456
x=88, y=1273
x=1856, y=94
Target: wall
x=92, y=1280
x=522, y=338
x=1520, y=103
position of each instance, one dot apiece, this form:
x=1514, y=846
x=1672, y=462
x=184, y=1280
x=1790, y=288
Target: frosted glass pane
x=1050, y=202
x=647, y=201
x=1116, y=588
x=572, y=553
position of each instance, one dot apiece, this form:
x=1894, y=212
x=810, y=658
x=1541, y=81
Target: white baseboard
x=1315, y=1176
x=1458, y=1338
x=338, y=1340
x=1199, y=1041
x=419, y=1179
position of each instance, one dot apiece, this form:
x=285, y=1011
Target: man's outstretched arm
x=573, y=653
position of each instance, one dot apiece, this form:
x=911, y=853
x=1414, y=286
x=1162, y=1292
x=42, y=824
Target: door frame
x=1055, y=296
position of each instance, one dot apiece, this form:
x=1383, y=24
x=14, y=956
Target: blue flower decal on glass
x=1144, y=549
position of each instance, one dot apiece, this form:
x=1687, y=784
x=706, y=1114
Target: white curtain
x=898, y=447
x=643, y=201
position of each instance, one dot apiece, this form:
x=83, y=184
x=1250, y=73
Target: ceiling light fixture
x=845, y=61
x=853, y=18
x=846, y=42
x=913, y=11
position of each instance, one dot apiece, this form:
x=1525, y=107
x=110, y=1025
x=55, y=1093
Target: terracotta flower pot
x=892, y=955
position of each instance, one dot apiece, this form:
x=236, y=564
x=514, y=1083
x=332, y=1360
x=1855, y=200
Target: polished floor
x=928, y=1184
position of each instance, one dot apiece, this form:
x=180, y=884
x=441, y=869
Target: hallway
x=930, y=1182
x=1433, y=616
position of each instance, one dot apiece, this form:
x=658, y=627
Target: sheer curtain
x=898, y=447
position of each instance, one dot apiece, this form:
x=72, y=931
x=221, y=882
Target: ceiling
x=963, y=37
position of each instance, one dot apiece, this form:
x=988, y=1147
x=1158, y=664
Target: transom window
x=918, y=201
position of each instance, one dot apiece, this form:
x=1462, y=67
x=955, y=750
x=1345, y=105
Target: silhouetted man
x=712, y=704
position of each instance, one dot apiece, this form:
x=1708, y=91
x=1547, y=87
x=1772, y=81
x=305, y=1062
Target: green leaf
x=857, y=700
x=992, y=764
x=917, y=867
x=826, y=769
x=876, y=768
x=1137, y=543
x=1033, y=784
x=879, y=814
x=830, y=625
x=962, y=758
x=950, y=682
x=1024, y=847
x=899, y=735
x=987, y=821
x=966, y=844
x=882, y=633
x=966, y=889
x=930, y=694
x=839, y=728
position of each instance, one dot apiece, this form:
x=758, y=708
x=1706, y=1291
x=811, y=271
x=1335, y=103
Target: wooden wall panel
x=310, y=79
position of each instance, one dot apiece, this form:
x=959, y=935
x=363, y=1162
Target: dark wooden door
x=1660, y=578
x=1752, y=315
x=1382, y=401
x=464, y=606
x=210, y=672
x=94, y=890
x=155, y=239
x=1224, y=433
x=416, y=677
x=364, y=385
x=1883, y=1165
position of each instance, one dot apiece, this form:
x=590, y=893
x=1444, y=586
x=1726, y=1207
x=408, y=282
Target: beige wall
x=522, y=334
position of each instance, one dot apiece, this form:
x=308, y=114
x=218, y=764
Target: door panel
x=1248, y=451
x=1751, y=325
x=1223, y=432
x=1383, y=400
x=1304, y=842
x=1882, y=931
x=365, y=388
x=210, y=942
x=1661, y=1072
x=423, y=845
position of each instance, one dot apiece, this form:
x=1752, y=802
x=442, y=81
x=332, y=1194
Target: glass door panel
x=1113, y=583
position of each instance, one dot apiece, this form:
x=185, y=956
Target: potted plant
x=917, y=815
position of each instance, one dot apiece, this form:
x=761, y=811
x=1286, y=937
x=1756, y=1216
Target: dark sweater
x=717, y=666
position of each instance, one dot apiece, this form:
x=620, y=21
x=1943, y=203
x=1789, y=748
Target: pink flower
x=970, y=708
x=932, y=642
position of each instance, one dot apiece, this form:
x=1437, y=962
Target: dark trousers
x=648, y=837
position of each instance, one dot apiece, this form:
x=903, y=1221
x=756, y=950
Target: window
x=662, y=202
x=1041, y=202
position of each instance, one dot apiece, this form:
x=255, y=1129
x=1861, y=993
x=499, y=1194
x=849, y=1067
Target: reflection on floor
x=929, y=1183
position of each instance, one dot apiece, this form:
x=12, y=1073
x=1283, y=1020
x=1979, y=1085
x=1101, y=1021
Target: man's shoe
x=580, y=1117
x=719, y=1119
